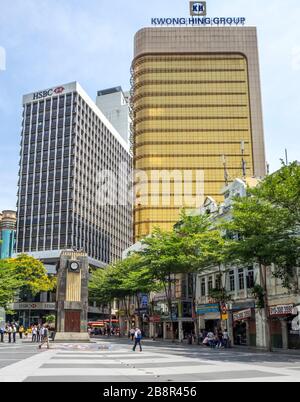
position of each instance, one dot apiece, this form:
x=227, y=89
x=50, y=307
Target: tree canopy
x=23, y=274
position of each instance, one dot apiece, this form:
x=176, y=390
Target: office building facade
x=114, y=103
x=7, y=233
x=196, y=103
x=66, y=200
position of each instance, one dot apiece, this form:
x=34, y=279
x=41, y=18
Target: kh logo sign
x=296, y=321
x=198, y=8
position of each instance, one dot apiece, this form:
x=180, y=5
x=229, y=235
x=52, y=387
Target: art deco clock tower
x=72, y=297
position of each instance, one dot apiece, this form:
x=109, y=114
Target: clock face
x=74, y=266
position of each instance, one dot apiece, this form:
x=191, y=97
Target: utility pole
x=224, y=161
x=286, y=157
x=243, y=159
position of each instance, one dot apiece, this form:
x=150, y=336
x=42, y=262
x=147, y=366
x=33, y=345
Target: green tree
x=260, y=232
x=137, y=279
x=203, y=248
x=162, y=255
x=9, y=284
x=282, y=190
x=23, y=275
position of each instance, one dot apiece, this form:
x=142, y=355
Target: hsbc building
x=66, y=143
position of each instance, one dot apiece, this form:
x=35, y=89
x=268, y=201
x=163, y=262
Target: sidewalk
x=234, y=348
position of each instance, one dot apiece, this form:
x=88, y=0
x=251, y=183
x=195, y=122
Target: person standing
x=9, y=332
x=38, y=333
x=226, y=339
x=2, y=332
x=34, y=333
x=45, y=338
x=14, y=332
x=21, y=331
x=211, y=339
x=137, y=339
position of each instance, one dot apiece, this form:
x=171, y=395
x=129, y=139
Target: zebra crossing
x=105, y=362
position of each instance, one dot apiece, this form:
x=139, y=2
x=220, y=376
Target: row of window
x=243, y=279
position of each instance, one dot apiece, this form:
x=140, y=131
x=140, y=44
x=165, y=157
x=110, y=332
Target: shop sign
x=284, y=309
x=208, y=308
x=155, y=318
x=33, y=306
x=242, y=306
x=242, y=315
x=144, y=301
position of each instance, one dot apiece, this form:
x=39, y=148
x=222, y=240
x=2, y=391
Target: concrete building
x=196, y=106
x=7, y=233
x=114, y=104
x=73, y=181
x=245, y=321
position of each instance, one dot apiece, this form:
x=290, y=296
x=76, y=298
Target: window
x=241, y=279
x=250, y=278
x=231, y=281
x=203, y=287
x=210, y=283
x=219, y=282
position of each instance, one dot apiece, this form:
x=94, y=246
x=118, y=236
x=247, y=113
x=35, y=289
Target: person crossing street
x=137, y=339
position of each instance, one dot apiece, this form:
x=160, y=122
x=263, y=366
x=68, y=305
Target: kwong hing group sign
x=198, y=17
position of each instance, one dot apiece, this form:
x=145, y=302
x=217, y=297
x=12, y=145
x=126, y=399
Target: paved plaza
x=114, y=361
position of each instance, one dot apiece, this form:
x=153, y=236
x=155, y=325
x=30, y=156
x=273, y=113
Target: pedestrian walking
x=45, y=338
x=132, y=332
x=137, y=339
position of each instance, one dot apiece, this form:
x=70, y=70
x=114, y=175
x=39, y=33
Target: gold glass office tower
x=195, y=98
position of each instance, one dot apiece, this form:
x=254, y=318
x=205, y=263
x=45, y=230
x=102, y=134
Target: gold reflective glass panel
x=189, y=111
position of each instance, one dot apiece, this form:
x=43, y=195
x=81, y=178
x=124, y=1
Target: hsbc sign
x=47, y=93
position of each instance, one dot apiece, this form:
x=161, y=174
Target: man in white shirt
x=137, y=339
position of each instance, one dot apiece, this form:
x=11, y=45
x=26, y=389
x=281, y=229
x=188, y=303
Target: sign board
x=33, y=306
x=284, y=309
x=208, y=308
x=198, y=17
x=242, y=315
x=224, y=317
x=242, y=306
x=144, y=301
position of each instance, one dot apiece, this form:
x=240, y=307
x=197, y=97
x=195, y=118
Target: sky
x=44, y=43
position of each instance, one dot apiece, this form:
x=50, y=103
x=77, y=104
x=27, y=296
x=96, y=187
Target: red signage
x=59, y=90
x=155, y=318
